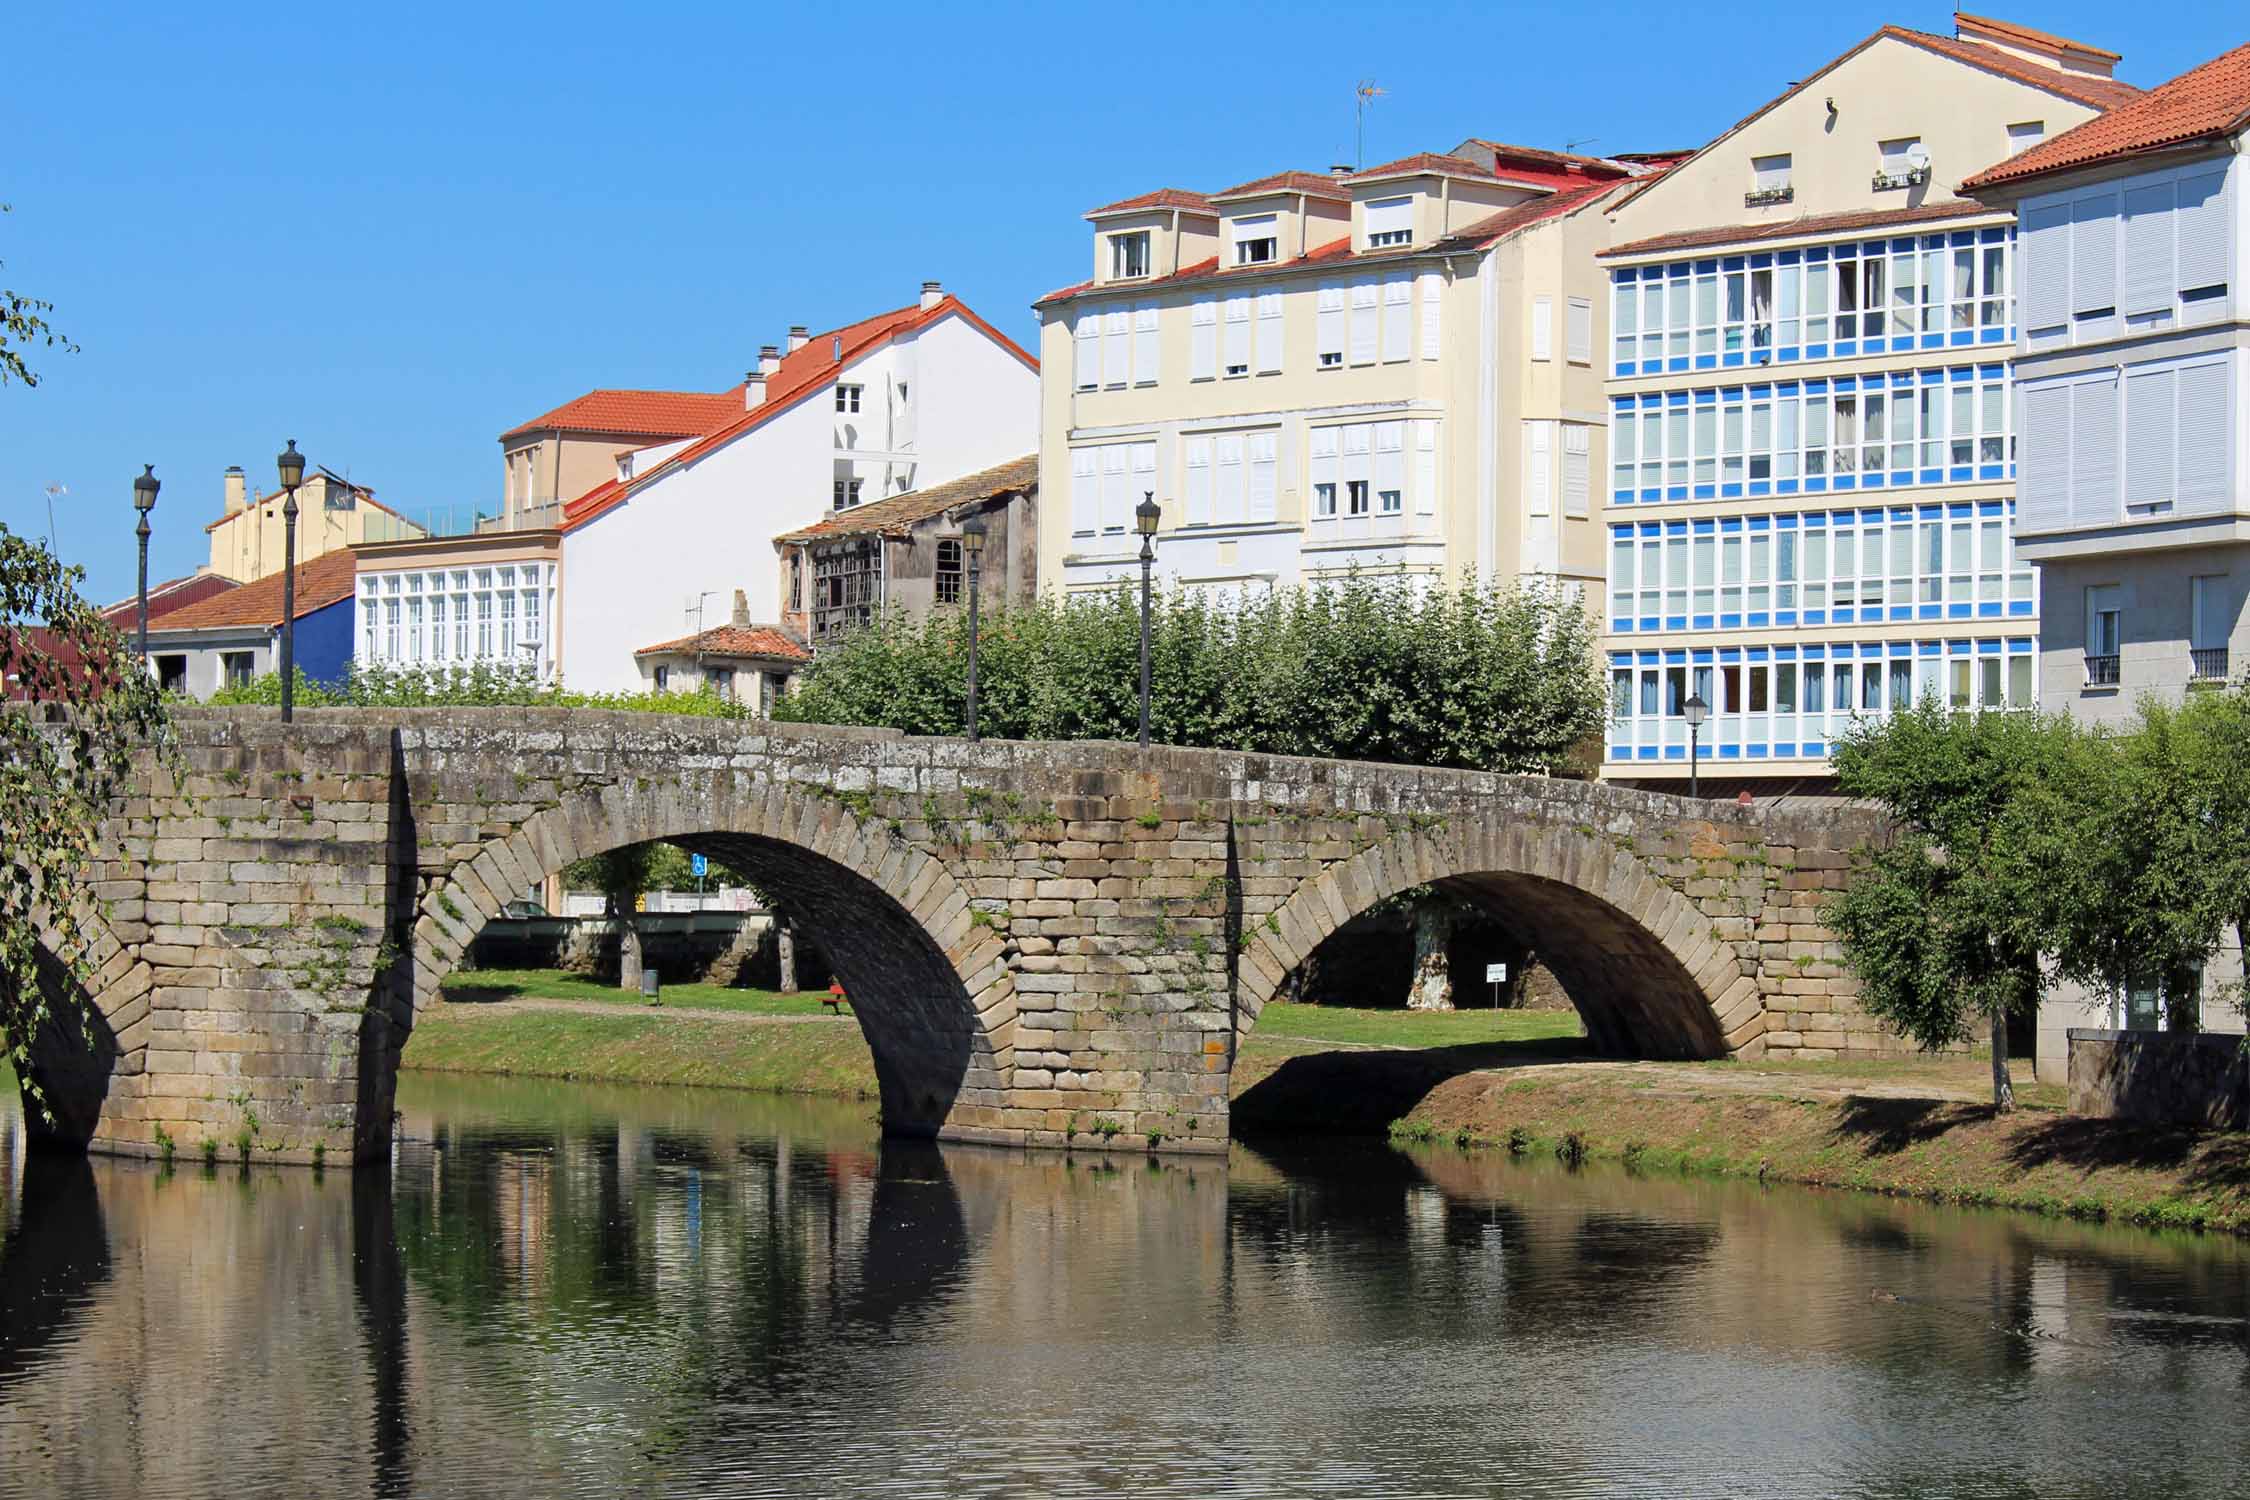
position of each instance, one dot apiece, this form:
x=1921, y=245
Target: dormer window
x=1257, y=240
x=1390, y=221
x=1128, y=255
x=1769, y=181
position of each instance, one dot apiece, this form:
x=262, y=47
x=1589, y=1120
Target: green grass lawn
x=1413, y=1028
x=630, y=1047
x=469, y=987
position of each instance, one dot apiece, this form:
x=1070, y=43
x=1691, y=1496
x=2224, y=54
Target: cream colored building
x=443, y=604
x=249, y=538
x=1392, y=369
x=1810, y=502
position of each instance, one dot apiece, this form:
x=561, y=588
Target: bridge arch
x=95, y=1038
x=1645, y=967
x=928, y=981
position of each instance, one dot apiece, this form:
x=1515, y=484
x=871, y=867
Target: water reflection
x=568, y=1290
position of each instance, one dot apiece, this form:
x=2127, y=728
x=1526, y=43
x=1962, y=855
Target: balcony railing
x=2101, y=671
x=2208, y=664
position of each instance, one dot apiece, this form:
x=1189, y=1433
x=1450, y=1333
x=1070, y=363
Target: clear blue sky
x=393, y=232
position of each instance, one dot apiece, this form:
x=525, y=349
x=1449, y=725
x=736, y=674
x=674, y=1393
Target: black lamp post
x=144, y=501
x=1145, y=516
x=291, y=463
x=972, y=545
x=1695, y=711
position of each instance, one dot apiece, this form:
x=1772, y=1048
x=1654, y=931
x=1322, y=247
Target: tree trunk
x=2003, y=1087
x=785, y=955
x=628, y=952
x=1432, y=985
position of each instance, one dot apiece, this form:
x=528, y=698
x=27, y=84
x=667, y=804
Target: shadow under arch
x=893, y=922
x=75, y=1054
x=1641, y=963
x=56, y=1254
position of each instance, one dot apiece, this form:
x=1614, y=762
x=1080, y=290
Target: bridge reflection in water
x=570, y=1290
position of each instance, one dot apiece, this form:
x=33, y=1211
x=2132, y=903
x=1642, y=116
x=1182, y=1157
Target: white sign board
x=1495, y=973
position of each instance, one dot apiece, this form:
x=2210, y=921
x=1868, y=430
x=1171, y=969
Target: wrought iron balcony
x=2101, y=671
x=2209, y=664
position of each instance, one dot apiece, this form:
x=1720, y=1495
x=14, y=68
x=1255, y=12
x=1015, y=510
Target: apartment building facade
x=1388, y=370
x=1810, y=503
x=2131, y=401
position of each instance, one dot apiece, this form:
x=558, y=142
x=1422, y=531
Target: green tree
x=23, y=326
x=1944, y=924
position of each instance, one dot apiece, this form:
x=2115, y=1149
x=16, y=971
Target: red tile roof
x=1311, y=184
x=1844, y=223
x=651, y=414
x=901, y=511
x=769, y=641
x=1161, y=198
x=810, y=369
x=1423, y=163
x=1496, y=227
x=320, y=583
x=163, y=598
x=2033, y=36
x=2207, y=102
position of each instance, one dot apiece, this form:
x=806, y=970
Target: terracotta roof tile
x=919, y=505
x=2035, y=37
x=1522, y=216
x=320, y=583
x=734, y=640
x=1161, y=198
x=2099, y=93
x=2205, y=102
x=1311, y=184
x=163, y=598
x=1845, y=223
x=653, y=414
x=1423, y=162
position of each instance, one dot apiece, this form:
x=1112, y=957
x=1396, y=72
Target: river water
x=575, y=1290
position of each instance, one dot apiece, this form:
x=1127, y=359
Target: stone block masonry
x=1045, y=943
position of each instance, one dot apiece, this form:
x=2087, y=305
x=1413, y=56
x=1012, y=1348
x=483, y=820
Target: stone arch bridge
x=1044, y=943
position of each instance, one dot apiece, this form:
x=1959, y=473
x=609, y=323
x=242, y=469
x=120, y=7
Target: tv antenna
x=1572, y=146
x=53, y=490
x=1364, y=94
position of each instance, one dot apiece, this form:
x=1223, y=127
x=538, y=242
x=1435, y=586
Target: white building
x=900, y=401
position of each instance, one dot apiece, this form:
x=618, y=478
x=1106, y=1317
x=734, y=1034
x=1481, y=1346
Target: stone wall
x=2168, y=1077
x=1052, y=943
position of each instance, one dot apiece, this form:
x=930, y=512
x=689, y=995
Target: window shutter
x=1359, y=438
x=1433, y=289
x=2093, y=253
x=1085, y=492
x=1238, y=334
x=2207, y=458
x=2093, y=451
x=1398, y=317
x=1425, y=468
x=1364, y=313
x=2043, y=474
x=1230, y=507
x=1390, y=465
x=1539, y=464
x=1198, y=481
x=1542, y=328
x=1087, y=363
x=1578, y=331
x=2204, y=238
x=1264, y=451
x=2148, y=250
x=1577, y=461
x=2149, y=439
x=1144, y=345
x=1328, y=325
x=1324, y=471
x=2043, y=262
x=1269, y=333
x=1389, y=216
x=1116, y=505
x=1117, y=334
x=1203, y=340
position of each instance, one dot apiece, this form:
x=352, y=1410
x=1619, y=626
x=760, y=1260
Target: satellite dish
x=1918, y=157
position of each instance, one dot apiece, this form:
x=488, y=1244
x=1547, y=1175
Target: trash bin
x=649, y=986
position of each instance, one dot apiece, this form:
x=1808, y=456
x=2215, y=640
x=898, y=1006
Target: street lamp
x=1145, y=516
x=972, y=544
x=1695, y=711
x=144, y=501
x=291, y=463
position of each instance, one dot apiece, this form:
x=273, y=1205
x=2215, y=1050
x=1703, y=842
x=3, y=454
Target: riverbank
x=1918, y=1127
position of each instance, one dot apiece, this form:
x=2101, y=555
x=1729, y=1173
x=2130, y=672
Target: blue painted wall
x=324, y=641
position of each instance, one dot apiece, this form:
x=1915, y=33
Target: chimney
x=236, y=499
x=1339, y=169
x=932, y=295
x=741, y=610
x=769, y=359
x=798, y=337
x=753, y=389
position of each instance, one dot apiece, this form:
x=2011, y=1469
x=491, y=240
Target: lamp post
x=1145, y=516
x=972, y=544
x=144, y=501
x=1695, y=711
x=291, y=463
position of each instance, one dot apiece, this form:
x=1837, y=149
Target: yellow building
x=1810, y=501
x=1391, y=369
x=247, y=541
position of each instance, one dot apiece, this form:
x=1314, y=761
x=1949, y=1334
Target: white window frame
x=1129, y=254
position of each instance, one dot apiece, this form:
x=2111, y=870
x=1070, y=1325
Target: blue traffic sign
x=698, y=866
